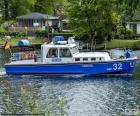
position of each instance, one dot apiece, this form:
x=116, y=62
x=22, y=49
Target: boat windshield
x=74, y=50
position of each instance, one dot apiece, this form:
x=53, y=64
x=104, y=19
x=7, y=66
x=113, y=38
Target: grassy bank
x=14, y=41
x=118, y=43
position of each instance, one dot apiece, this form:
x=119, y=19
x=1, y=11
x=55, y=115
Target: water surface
x=90, y=96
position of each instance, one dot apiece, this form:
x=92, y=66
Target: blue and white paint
x=52, y=62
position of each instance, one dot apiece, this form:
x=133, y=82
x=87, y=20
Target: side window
x=52, y=53
x=77, y=59
x=65, y=52
x=93, y=59
x=85, y=59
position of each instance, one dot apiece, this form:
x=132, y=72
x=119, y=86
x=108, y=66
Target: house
x=35, y=20
x=134, y=24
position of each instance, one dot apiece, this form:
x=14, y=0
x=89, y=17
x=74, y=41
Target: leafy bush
x=129, y=31
x=115, y=35
x=40, y=33
x=2, y=30
x=66, y=35
x=121, y=36
x=13, y=34
x=121, y=29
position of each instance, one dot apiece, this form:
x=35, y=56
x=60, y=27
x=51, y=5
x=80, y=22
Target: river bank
x=115, y=43
x=119, y=43
x=14, y=41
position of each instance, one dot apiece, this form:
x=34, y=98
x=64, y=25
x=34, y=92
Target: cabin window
x=74, y=50
x=64, y=52
x=85, y=59
x=100, y=58
x=93, y=59
x=77, y=59
x=52, y=53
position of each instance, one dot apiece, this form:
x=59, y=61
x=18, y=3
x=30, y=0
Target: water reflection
x=83, y=96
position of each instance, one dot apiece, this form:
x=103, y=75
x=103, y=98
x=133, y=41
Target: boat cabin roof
x=75, y=52
x=92, y=55
x=59, y=45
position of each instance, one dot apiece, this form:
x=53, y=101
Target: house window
x=133, y=27
x=77, y=59
x=64, y=52
x=52, y=53
x=85, y=59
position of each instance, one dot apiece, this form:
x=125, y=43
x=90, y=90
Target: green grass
x=14, y=41
x=118, y=43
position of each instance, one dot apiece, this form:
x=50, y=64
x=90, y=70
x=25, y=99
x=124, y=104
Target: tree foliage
x=93, y=17
x=10, y=9
x=90, y=17
x=20, y=7
x=126, y=9
x=48, y=6
x=87, y=17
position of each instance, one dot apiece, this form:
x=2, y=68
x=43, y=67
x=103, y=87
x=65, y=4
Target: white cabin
x=61, y=52
x=69, y=53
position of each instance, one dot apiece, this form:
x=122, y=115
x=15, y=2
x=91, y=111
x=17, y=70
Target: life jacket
x=24, y=55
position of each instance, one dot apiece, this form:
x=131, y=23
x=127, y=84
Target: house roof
x=37, y=15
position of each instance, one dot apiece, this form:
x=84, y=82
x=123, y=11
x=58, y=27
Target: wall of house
x=49, y=22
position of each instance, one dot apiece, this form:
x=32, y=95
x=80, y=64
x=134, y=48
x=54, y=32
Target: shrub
x=2, y=30
x=66, y=35
x=129, y=31
x=40, y=33
x=13, y=34
x=121, y=29
x=115, y=35
x=121, y=36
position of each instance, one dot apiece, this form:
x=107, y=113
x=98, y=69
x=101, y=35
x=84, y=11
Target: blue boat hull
x=114, y=67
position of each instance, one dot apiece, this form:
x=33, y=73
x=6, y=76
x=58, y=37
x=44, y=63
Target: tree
x=48, y=6
x=20, y=7
x=10, y=9
x=90, y=17
x=126, y=9
x=5, y=7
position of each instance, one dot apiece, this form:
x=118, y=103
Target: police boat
x=64, y=58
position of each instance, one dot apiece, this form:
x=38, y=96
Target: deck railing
x=27, y=55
